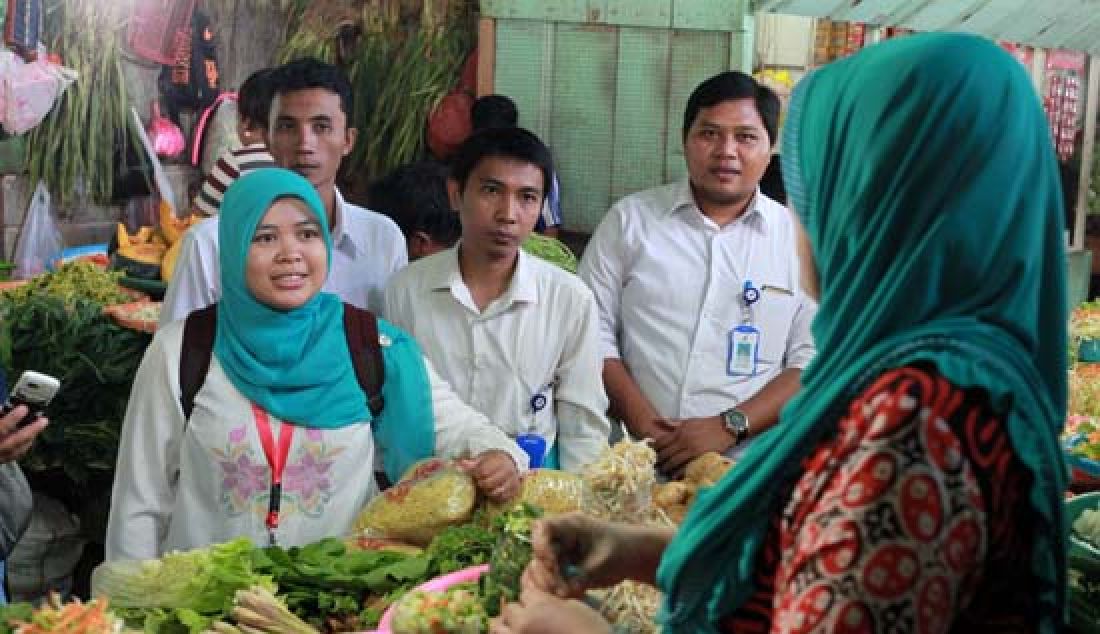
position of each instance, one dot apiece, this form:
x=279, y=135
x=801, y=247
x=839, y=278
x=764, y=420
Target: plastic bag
x=29, y=91
x=166, y=136
x=436, y=495
x=554, y=492
x=40, y=240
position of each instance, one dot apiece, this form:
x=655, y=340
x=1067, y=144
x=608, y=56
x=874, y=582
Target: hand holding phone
x=35, y=390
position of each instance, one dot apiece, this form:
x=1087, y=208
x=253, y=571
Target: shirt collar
x=757, y=216
x=447, y=276
x=342, y=238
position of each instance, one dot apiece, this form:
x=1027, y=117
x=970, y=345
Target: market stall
x=426, y=556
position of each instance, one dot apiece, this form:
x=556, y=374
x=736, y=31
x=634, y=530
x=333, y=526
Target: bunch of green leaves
x=460, y=547
x=74, y=280
x=551, y=250
x=511, y=555
x=181, y=592
x=402, y=64
x=74, y=148
x=400, y=76
x=14, y=612
x=325, y=582
x=94, y=359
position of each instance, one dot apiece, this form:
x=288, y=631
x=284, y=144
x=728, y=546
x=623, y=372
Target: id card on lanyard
x=276, y=460
x=744, y=340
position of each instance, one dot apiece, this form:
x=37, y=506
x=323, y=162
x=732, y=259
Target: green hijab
x=924, y=174
x=296, y=363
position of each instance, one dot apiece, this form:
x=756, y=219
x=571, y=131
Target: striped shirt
x=231, y=164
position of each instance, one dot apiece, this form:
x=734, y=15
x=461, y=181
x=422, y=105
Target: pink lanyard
x=276, y=460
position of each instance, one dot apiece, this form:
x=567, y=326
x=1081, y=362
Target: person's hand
x=575, y=552
x=495, y=474
x=14, y=442
x=538, y=612
x=688, y=439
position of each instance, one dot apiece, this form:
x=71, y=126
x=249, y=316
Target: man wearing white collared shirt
x=669, y=268
x=516, y=337
x=308, y=133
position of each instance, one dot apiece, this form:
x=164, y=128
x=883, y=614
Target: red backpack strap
x=198, y=346
x=361, y=329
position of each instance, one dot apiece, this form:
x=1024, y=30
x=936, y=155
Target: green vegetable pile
x=552, y=250
x=460, y=547
x=510, y=556
x=72, y=281
x=181, y=592
x=55, y=325
x=337, y=589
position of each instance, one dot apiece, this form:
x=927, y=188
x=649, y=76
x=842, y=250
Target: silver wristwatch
x=736, y=423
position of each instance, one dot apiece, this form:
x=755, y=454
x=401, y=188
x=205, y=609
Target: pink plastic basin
x=435, y=585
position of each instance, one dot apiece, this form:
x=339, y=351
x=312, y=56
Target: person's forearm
x=763, y=408
x=627, y=403
x=648, y=546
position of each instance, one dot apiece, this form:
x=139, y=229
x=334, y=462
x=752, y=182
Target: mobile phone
x=35, y=390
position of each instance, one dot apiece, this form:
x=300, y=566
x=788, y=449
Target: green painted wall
x=604, y=83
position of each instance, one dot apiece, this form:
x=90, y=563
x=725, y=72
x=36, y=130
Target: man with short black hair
x=704, y=325
x=499, y=111
x=516, y=337
x=310, y=132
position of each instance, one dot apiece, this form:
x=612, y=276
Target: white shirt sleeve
x=602, y=268
x=579, y=399
x=800, y=344
x=462, y=431
x=195, y=282
x=144, y=489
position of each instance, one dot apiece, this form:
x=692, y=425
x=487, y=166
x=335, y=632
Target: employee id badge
x=743, y=346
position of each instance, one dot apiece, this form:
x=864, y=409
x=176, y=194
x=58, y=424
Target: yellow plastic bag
x=417, y=508
x=553, y=492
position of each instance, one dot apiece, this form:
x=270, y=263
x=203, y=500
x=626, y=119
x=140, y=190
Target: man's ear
x=351, y=135
x=454, y=193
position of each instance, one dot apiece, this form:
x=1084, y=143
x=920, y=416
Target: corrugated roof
x=1069, y=24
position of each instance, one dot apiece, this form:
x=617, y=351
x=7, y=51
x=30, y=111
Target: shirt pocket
x=773, y=316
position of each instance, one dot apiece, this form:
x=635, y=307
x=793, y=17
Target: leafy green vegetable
x=181, y=592
x=95, y=360
x=12, y=613
x=459, y=547
x=325, y=580
x=552, y=250
x=510, y=556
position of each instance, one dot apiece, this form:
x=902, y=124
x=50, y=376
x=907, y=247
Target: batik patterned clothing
x=912, y=518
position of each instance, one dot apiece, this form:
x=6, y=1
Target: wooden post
x=1087, y=148
x=486, y=55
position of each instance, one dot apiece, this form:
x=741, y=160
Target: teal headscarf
x=924, y=174
x=296, y=363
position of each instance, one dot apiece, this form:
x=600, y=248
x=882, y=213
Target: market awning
x=1068, y=24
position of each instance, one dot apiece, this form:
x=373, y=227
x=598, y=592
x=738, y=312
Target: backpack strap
x=198, y=346
x=361, y=329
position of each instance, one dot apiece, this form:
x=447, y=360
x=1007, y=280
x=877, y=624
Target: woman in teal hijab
x=916, y=482
x=280, y=444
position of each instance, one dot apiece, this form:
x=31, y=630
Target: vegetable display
x=552, y=250
x=511, y=555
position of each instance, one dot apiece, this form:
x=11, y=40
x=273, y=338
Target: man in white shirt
x=704, y=326
x=516, y=337
x=309, y=133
